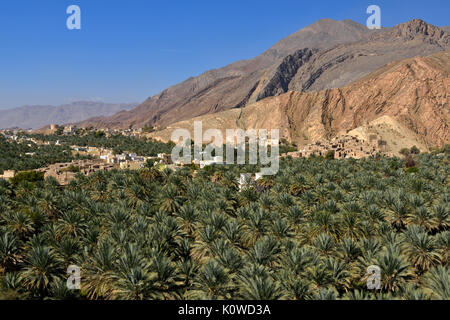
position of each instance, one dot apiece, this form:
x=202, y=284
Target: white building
x=244, y=180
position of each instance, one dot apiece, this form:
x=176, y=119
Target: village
x=104, y=159
x=344, y=147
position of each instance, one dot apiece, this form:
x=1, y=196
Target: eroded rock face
x=328, y=54
x=283, y=74
x=413, y=92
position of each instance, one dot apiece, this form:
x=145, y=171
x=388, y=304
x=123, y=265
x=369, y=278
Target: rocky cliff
x=415, y=93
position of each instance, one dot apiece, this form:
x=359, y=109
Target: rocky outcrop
x=414, y=93
x=284, y=73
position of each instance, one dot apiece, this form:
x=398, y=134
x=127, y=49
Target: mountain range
x=318, y=59
x=35, y=117
x=406, y=103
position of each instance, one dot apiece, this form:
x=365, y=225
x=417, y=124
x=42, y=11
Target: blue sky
x=129, y=50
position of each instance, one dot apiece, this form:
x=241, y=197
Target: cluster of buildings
x=204, y=163
x=71, y=130
x=130, y=161
x=8, y=174
x=14, y=136
x=343, y=147
x=64, y=173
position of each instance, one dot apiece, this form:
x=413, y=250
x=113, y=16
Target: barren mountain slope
x=413, y=92
x=334, y=54
x=341, y=65
x=231, y=86
x=396, y=135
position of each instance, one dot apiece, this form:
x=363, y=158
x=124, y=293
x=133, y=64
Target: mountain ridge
x=340, y=52
x=413, y=92
x=241, y=76
x=38, y=116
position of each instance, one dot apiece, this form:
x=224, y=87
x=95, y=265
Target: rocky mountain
x=328, y=54
x=406, y=102
x=35, y=117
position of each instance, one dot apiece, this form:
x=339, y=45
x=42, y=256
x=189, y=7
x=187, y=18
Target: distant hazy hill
x=35, y=117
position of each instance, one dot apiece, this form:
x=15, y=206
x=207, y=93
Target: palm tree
x=258, y=224
x=265, y=251
x=297, y=260
x=169, y=199
x=325, y=294
x=421, y=249
x=358, y=295
x=188, y=217
x=296, y=288
x=320, y=275
x=259, y=288
x=99, y=272
x=323, y=222
x=10, y=287
x=187, y=271
x=441, y=215
x=214, y=281
x=59, y=291
x=230, y=259
x=349, y=250
x=437, y=283
x=132, y=285
x=443, y=245
x=394, y=268
x=234, y=231
x=411, y=292
x=71, y=224
x=48, y=204
x=20, y=223
x=265, y=182
x=41, y=269
x=324, y=244
x=68, y=251
x=423, y=217
x=340, y=273
x=9, y=251
x=398, y=214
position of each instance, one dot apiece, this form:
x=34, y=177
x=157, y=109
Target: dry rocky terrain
x=326, y=55
x=405, y=102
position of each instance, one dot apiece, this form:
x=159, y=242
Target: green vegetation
x=14, y=155
x=27, y=176
x=310, y=232
x=414, y=150
x=148, y=129
x=330, y=155
x=286, y=146
x=118, y=142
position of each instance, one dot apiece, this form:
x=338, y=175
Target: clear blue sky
x=129, y=50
